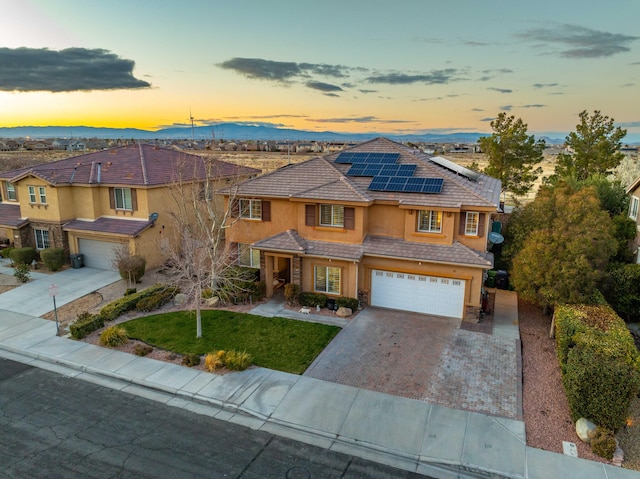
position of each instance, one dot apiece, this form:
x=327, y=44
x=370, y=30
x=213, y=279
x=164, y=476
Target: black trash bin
x=502, y=280
x=77, y=260
x=331, y=304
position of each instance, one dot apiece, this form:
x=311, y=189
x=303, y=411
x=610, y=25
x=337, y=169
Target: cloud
x=500, y=90
x=283, y=72
x=506, y=107
x=580, y=42
x=544, y=85
x=488, y=118
x=363, y=91
x=334, y=95
x=630, y=124
x=358, y=119
x=324, y=87
x=634, y=63
x=533, y=105
x=435, y=77
x=72, y=69
x=477, y=109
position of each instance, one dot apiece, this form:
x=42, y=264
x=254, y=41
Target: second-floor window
x=471, y=223
x=633, y=208
x=42, y=192
x=122, y=197
x=250, y=209
x=332, y=215
x=37, y=193
x=430, y=221
x=11, y=192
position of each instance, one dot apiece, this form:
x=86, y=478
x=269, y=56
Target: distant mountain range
x=234, y=131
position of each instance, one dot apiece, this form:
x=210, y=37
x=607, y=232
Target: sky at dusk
x=401, y=66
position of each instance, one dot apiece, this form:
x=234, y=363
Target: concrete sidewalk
x=404, y=433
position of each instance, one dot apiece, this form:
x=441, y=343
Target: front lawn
x=275, y=343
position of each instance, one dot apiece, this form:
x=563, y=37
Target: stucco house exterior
x=379, y=221
x=634, y=205
x=97, y=203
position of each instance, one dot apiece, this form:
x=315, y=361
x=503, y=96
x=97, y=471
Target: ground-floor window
x=42, y=238
x=327, y=279
x=248, y=256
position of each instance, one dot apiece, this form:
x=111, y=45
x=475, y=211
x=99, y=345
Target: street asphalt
x=403, y=433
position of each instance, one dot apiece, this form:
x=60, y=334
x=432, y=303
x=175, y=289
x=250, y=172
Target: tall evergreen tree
x=513, y=154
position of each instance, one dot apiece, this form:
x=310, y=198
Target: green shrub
x=351, y=303
x=114, y=336
x=5, y=253
x=207, y=293
x=142, y=349
x=156, y=300
x=23, y=255
x=131, y=268
x=237, y=360
x=21, y=272
x=603, y=443
x=120, y=306
x=190, y=360
x=291, y=293
x=84, y=324
x=53, y=258
x=599, y=362
x=129, y=291
x=313, y=299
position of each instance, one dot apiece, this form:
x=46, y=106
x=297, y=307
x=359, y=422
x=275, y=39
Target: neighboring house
x=97, y=203
x=634, y=205
x=379, y=221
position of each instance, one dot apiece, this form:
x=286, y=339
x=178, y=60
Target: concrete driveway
x=427, y=358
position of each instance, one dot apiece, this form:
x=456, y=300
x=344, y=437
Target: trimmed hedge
x=351, y=303
x=157, y=300
x=599, y=361
x=24, y=255
x=85, y=324
x=313, y=299
x=53, y=258
x=120, y=306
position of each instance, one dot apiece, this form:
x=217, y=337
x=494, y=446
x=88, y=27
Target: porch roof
x=291, y=242
x=109, y=226
x=10, y=216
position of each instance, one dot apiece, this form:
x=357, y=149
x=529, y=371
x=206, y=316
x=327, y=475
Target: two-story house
x=379, y=221
x=634, y=209
x=98, y=203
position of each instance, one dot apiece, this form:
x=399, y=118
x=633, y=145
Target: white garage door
x=421, y=294
x=98, y=254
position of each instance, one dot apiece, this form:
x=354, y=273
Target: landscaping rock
x=212, y=302
x=585, y=429
x=180, y=299
x=344, y=312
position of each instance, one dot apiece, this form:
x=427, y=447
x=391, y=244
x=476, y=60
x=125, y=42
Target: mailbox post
x=53, y=290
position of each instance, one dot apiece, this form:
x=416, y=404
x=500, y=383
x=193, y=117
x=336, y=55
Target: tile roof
x=290, y=241
x=10, y=216
x=323, y=179
x=109, y=225
x=137, y=164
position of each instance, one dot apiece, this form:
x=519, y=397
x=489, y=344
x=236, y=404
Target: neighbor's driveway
x=427, y=358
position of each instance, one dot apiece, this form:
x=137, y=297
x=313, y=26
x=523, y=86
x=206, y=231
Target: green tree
x=512, y=154
x=621, y=289
x=595, y=148
x=564, y=258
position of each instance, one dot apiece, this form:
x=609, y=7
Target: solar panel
x=402, y=184
x=379, y=183
x=366, y=157
x=451, y=166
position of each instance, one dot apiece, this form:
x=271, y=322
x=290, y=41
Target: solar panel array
x=370, y=158
x=362, y=169
x=403, y=184
x=387, y=174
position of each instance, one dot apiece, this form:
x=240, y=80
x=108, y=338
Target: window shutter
x=310, y=215
x=481, y=217
x=349, y=218
x=463, y=222
x=134, y=200
x=234, y=208
x=112, y=198
x=266, y=210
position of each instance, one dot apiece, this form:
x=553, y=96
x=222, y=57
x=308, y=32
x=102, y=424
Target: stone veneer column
x=296, y=271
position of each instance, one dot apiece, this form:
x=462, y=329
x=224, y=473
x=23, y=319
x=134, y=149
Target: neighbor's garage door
x=422, y=294
x=98, y=254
